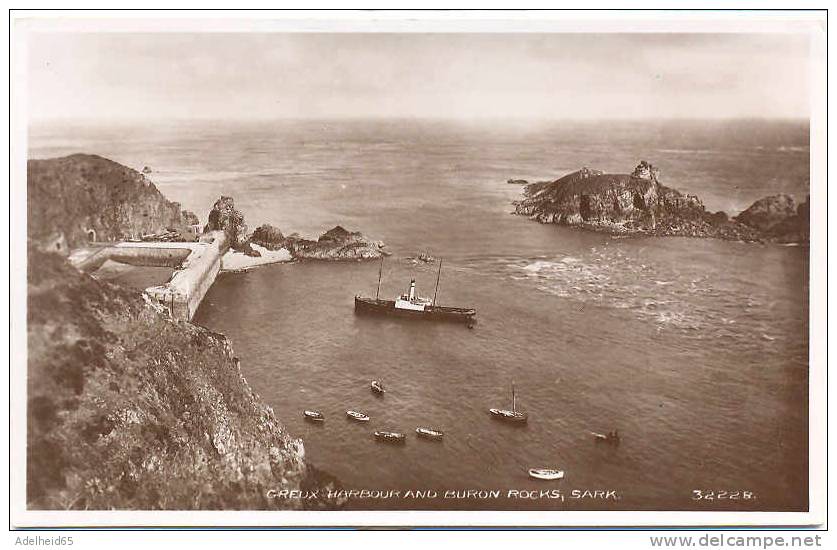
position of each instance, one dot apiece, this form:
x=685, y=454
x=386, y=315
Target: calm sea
x=695, y=350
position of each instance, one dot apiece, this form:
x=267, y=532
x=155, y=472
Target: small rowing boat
x=430, y=433
x=313, y=416
x=610, y=437
x=378, y=387
x=390, y=437
x=546, y=473
x=357, y=416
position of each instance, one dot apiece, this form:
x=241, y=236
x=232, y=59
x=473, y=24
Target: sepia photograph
x=546, y=271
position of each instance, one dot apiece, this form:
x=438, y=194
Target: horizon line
x=527, y=119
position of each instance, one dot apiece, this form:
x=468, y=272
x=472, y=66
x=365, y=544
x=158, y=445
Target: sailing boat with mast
x=413, y=306
x=512, y=415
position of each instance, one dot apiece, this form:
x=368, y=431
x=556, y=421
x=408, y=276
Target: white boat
x=313, y=416
x=512, y=415
x=546, y=473
x=610, y=437
x=378, y=387
x=429, y=433
x=357, y=416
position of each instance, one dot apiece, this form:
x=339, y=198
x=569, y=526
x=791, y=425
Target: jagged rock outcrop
x=336, y=244
x=268, y=236
x=87, y=197
x=633, y=203
x=128, y=409
x=224, y=217
x=778, y=218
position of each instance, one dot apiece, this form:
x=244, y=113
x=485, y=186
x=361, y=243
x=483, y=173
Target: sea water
x=695, y=350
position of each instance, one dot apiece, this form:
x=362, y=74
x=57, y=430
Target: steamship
x=411, y=305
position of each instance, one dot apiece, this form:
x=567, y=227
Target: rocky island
x=637, y=203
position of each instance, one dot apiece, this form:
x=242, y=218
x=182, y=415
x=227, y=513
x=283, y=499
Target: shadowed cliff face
x=639, y=203
x=87, y=197
x=128, y=409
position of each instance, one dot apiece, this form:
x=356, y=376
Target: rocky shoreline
x=336, y=244
x=127, y=407
x=638, y=204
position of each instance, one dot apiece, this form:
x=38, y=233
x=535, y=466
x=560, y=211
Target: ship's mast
x=438, y=276
x=380, y=274
x=514, y=399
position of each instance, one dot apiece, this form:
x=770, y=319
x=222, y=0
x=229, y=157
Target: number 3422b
x=711, y=494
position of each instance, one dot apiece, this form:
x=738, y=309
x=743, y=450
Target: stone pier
x=196, y=266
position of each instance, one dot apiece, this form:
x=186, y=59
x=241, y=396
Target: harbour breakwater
x=196, y=266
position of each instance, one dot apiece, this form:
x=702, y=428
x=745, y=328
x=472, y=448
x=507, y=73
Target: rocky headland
x=637, y=203
x=81, y=198
x=128, y=407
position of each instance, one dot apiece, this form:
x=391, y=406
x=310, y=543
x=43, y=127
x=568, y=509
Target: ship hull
x=375, y=306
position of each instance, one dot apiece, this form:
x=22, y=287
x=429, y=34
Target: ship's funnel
x=412, y=289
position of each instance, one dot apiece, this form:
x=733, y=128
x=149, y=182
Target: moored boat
x=357, y=416
x=411, y=305
x=313, y=416
x=512, y=415
x=390, y=437
x=610, y=437
x=546, y=473
x=429, y=433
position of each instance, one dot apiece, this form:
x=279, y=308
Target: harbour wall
x=196, y=266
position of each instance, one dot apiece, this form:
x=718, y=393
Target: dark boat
x=377, y=387
x=412, y=306
x=512, y=415
x=313, y=416
x=430, y=433
x=390, y=437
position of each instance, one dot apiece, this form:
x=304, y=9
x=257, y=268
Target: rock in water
x=765, y=213
x=336, y=244
x=778, y=218
x=639, y=203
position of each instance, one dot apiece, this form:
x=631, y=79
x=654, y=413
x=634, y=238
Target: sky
x=107, y=76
